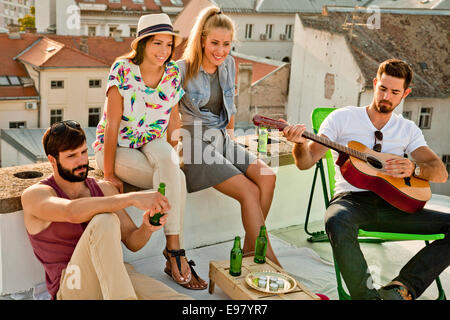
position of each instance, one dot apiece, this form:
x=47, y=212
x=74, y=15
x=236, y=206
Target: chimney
x=118, y=35
x=30, y=30
x=84, y=44
x=244, y=98
x=13, y=31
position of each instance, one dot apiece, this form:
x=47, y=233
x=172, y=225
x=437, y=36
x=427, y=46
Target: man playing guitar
x=378, y=128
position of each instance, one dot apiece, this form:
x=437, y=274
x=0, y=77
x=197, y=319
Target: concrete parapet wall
x=210, y=217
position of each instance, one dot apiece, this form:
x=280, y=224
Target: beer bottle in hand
x=236, y=258
x=155, y=219
x=261, y=246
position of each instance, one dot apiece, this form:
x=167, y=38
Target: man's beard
x=383, y=108
x=69, y=175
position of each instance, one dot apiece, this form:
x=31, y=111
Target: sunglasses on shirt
x=378, y=140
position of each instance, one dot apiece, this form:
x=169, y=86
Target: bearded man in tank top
x=76, y=225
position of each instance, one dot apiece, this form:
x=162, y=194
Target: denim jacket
x=198, y=92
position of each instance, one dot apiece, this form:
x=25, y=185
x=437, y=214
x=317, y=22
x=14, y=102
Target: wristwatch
x=416, y=170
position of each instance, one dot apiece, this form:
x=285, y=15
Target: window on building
x=269, y=29
x=10, y=81
x=94, y=117
x=15, y=81
x=4, y=81
x=17, y=125
x=91, y=31
x=56, y=115
x=407, y=115
x=138, y=1
x=288, y=31
x=112, y=30
x=57, y=84
x=446, y=161
x=95, y=83
x=425, y=118
x=133, y=32
x=248, y=31
x=113, y=1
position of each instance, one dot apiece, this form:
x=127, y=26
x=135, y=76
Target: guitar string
x=322, y=140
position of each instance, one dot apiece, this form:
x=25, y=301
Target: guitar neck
x=271, y=123
x=335, y=146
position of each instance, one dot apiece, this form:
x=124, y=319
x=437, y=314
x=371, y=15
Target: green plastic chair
x=317, y=117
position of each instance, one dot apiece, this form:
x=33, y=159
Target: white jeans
x=145, y=168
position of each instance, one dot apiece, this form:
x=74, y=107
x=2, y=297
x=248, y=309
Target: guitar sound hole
x=374, y=162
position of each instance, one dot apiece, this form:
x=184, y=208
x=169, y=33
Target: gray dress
x=210, y=156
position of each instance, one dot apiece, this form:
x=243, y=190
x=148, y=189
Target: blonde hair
x=208, y=19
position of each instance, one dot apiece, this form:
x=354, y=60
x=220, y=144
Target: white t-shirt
x=400, y=136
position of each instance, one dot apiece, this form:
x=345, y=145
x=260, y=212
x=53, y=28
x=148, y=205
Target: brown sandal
x=168, y=269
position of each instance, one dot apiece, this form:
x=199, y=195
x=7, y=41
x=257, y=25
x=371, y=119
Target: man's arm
x=133, y=237
x=305, y=153
x=41, y=202
x=431, y=167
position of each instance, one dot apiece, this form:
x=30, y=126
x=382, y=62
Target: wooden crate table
x=237, y=289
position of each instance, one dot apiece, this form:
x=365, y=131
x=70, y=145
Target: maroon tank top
x=54, y=245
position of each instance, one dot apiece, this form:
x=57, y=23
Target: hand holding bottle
x=155, y=218
x=148, y=216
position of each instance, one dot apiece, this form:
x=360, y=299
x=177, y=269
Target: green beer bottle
x=263, y=136
x=261, y=246
x=155, y=219
x=236, y=258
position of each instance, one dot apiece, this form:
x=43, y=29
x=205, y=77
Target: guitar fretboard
x=271, y=123
x=335, y=146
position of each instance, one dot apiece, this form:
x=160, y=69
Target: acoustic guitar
x=364, y=169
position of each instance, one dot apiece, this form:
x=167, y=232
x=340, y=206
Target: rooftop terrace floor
x=310, y=263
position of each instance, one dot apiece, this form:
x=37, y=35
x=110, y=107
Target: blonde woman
x=133, y=141
x=211, y=157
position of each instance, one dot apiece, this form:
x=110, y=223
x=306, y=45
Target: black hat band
x=156, y=28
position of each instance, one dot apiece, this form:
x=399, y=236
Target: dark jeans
x=353, y=210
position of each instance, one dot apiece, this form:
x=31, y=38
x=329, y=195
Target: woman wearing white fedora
x=134, y=137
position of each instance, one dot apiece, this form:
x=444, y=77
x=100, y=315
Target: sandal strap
x=191, y=265
x=177, y=254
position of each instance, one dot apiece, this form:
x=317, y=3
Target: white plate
x=289, y=282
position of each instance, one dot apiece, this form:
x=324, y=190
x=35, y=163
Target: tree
x=28, y=21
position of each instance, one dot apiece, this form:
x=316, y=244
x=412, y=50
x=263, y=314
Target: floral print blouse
x=146, y=111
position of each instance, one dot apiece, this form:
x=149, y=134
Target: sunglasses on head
x=378, y=137
x=60, y=127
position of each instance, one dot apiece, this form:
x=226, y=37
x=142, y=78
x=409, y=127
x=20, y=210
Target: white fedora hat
x=152, y=24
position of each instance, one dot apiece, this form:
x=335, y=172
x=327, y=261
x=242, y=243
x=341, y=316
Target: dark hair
x=398, y=69
x=62, y=136
x=137, y=56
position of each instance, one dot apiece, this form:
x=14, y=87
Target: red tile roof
x=17, y=92
x=149, y=4
x=260, y=69
x=102, y=51
x=10, y=49
x=40, y=51
x=47, y=53
x=104, y=48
